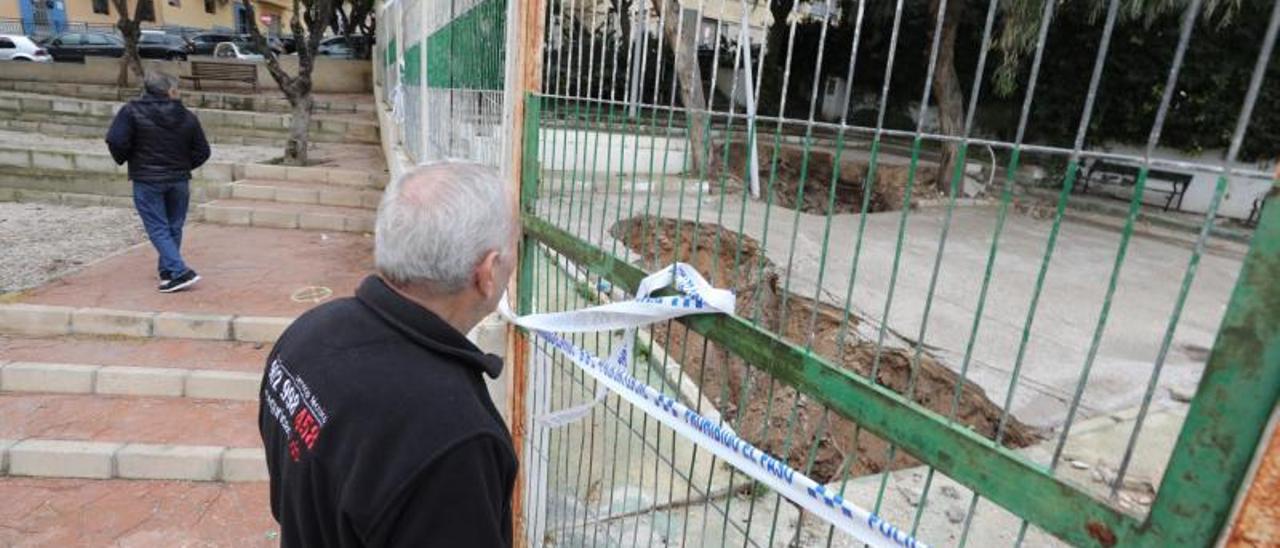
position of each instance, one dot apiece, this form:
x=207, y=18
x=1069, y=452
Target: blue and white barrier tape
x=698, y=297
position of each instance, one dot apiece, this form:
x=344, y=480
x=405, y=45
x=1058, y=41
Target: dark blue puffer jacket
x=160, y=138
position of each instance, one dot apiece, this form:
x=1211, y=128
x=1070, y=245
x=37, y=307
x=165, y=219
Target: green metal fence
x=969, y=335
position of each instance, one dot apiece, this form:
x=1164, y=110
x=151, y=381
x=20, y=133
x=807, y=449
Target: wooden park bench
x=226, y=72
x=1172, y=183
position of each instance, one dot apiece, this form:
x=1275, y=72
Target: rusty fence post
x=523, y=74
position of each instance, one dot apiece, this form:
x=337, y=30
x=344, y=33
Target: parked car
x=279, y=45
x=242, y=51
x=204, y=44
x=340, y=47
x=158, y=45
x=75, y=46
x=15, y=47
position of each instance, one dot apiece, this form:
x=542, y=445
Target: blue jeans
x=163, y=209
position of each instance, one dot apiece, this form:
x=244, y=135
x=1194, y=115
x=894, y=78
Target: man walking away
x=375, y=418
x=163, y=142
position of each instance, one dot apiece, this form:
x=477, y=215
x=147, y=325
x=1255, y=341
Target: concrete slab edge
x=37, y=319
x=53, y=458
x=128, y=380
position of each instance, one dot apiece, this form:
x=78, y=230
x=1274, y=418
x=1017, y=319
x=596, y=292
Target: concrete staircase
x=127, y=416
x=75, y=117
x=78, y=178
x=292, y=204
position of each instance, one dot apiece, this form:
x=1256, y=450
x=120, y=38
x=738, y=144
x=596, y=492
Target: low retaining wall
x=329, y=76
x=615, y=153
x=24, y=112
x=192, y=99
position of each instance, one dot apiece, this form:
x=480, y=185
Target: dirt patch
x=42, y=242
x=816, y=169
x=761, y=408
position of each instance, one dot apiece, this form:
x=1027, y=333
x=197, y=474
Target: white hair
x=438, y=221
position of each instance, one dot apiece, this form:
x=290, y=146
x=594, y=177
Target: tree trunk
x=691, y=94
x=130, y=29
x=295, y=150
x=775, y=57
x=946, y=90
x=297, y=89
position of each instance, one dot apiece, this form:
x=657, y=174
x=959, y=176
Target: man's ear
x=486, y=273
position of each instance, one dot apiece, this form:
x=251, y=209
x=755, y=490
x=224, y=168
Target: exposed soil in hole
x=886, y=194
x=748, y=399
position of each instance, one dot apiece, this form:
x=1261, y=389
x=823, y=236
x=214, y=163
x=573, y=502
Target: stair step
x=128, y=380
x=83, y=512
x=110, y=459
x=138, y=419
x=280, y=215
x=54, y=320
x=296, y=192
x=230, y=356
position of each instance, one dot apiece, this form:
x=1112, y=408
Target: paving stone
x=95, y=162
x=141, y=381
x=217, y=172
x=31, y=104
x=271, y=218
x=364, y=223
x=342, y=197
x=223, y=385
x=237, y=120
x=4, y=455
x=34, y=319
x=263, y=171
x=247, y=191
x=244, y=464
x=227, y=215
x=71, y=107
x=82, y=200
x=306, y=174
x=41, y=159
x=38, y=196
x=347, y=177
x=193, y=326
x=62, y=378
x=104, y=321
x=169, y=462
x=321, y=221
x=297, y=195
x=16, y=158
x=259, y=329
x=63, y=459
x=274, y=122
x=117, y=201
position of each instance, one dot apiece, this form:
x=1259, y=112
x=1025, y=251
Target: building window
x=146, y=10
x=100, y=6
x=210, y=6
x=175, y=3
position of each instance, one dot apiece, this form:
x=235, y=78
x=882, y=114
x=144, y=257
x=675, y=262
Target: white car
x=239, y=51
x=15, y=47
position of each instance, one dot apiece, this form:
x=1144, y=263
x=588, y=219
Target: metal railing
x=951, y=340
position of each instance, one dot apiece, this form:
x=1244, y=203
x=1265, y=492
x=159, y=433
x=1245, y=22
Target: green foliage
x=1210, y=88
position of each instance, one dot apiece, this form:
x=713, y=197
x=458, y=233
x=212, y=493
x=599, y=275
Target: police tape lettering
x=697, y=297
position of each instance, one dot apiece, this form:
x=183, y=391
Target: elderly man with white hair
x=377, y=425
